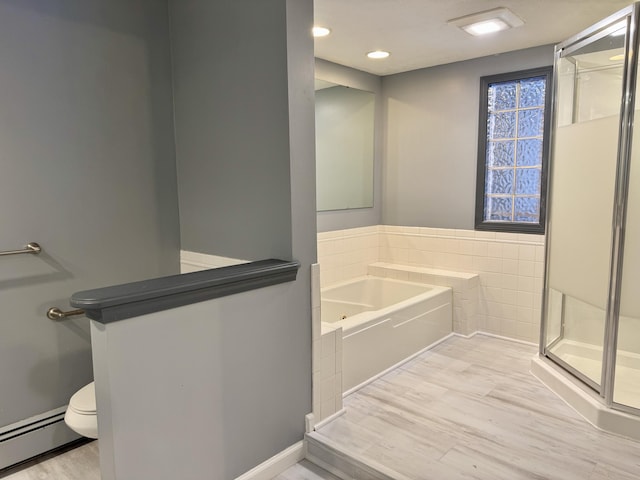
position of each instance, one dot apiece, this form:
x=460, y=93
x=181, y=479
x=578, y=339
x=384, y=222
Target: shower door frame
x=631, y=15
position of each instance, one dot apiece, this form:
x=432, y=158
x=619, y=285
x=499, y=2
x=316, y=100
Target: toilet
x=81, y=414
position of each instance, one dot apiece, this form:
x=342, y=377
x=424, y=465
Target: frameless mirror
x=344, y=147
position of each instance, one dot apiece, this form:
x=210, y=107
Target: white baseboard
x=277, y=464
x=501, y=337
x=330, y=418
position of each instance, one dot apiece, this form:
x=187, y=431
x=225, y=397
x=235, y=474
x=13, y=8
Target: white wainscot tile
x=465, y=263
x=399, y=255
x=510, y=297
x=492, y=324
x=525, y=284
x=525, y=299
x=316, y=356
x=526, y=331
x=480, y=248
x=465, y=247
x=398, y=241
x=327, y=367
x=494, y=249
x=479, y=263
x=452, y=245
x=526, y=268
x=527, y=252
x=524, y=314
x=327, y=387
x=328, y=344
x=539, y=270
x=492, y=279
x=508, y=327
x=465, y=233
x=488, y=235
x=316, y=323
x=510, y=266
x=510, y=251
x=437, y=245
x=327, y=408
x=494, y=265
x=509, y=312
x=493, y=294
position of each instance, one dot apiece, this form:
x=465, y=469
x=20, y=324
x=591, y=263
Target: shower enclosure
x=591, y=311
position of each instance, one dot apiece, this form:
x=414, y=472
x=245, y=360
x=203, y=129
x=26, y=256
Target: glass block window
x=512, y=151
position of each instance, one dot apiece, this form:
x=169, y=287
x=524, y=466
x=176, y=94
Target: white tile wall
x=327, y=358
x=465, y=286
x=510, y=267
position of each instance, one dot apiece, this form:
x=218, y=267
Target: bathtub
x=384, y=322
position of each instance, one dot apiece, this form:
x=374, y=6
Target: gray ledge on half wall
x=110, y=304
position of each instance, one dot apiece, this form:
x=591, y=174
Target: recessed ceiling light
x=320, y=31
x=377, y=54
x=486, y=22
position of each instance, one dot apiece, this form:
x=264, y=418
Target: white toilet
x=81, y=414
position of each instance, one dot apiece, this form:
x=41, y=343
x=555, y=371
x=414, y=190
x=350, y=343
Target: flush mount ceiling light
x=378, y=54
x=320, y=31
x=486, y=22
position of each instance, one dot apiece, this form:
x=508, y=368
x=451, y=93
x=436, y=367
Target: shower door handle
x=54, y=313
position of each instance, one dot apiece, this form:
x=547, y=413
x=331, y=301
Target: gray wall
x=88, y=171
x=230, y=94
x=360, y=217
x=240, y=365
x=431, y=139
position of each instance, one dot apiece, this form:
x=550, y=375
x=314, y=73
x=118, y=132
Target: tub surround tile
x=464, y=285
x=327, y=375
x=506, y=261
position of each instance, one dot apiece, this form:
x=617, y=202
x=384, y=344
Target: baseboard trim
x=329, y=419
x=277, y=464
x=493, y=335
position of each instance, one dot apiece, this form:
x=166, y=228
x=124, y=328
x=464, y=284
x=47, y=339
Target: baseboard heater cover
x=31, y=437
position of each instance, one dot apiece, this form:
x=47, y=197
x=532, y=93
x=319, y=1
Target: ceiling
x=417, y=34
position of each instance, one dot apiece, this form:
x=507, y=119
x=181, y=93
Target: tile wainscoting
x=510, y=268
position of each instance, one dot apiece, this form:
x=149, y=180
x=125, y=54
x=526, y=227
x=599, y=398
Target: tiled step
x=345, y=464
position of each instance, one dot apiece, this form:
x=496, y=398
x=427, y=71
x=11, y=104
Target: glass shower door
x=626, y=389
x=589, y=90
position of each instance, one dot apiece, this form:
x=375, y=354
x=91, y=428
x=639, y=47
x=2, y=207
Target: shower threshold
x=583, y=399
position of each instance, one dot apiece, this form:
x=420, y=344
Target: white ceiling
x=417, y=34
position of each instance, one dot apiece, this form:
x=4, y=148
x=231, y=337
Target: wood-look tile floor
x=470, y=409
x=467, y=409
x=305, y=470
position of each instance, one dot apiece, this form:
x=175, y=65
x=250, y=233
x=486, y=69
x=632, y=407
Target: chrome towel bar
x=54, y=313
x=32, y=247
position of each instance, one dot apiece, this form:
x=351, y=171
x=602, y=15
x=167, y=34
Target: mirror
x=344, y=147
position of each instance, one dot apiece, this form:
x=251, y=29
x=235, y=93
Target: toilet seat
x=81, y=414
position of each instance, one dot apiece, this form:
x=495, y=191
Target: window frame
x=512, y=227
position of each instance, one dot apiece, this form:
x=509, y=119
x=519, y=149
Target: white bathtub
x=384, y=322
